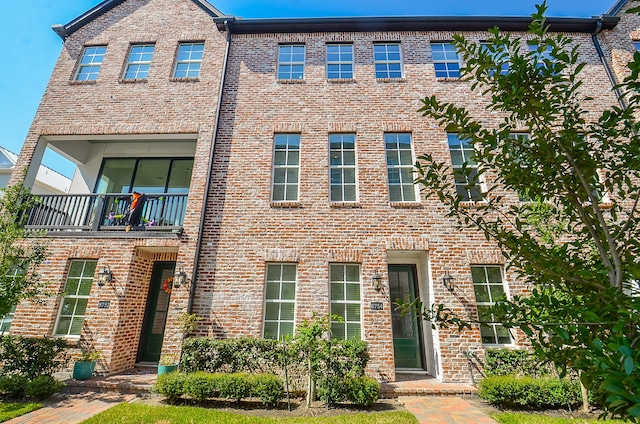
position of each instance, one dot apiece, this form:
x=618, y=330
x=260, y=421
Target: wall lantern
x=105, y=276
x=179, y=278
x=447, y=280
x=377, y=281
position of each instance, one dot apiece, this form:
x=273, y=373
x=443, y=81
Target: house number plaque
x=104, y=304
x=376, y=306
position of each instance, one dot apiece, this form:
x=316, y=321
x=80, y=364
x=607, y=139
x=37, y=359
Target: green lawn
x=12, y=410
x=128, y=413
x=522, y=418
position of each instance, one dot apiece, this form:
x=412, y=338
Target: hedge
x=528, y=392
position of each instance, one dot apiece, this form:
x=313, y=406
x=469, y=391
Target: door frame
x=430, y=342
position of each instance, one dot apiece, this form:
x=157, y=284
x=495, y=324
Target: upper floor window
x=345, y=301
x=636, y=44
x=291, y=61
x=189, y=60
x=388, y=60
x=139, y=61
x=499, y=55
x=446, y=61
x=279, y=301
x=489, y=289
x=339, y=61
x=286, y=167
x=76, y=298
x=400, y=167
x=90, y=63
x=465, y=169
x=543, y=57
x=342, y=167
x=5, y=321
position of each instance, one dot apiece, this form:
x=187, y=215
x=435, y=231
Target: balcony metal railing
x=105, y=212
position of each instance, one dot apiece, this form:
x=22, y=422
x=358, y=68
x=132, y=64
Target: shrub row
x=529, y=393
x=201, y=386
x=514, y=362
x=362, y=391
x=18, y=386
x=32, y=356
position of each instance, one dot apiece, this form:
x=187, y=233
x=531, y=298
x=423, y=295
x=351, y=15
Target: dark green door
x=407, y=345
x=155, y=313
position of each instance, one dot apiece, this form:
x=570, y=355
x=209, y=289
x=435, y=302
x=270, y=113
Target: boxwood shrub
x=171, y=385
x=32, y=356
x=529, y=393
x=361, y=391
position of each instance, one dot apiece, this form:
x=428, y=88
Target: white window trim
x=416, y=193
x=340, y=62
x=388, y=61
x=485, y=44
x=507, y=294
x=292, y=63
x=187, y=61
x=445, y=61
x=59, y=314
x=342, y=167
x=137, y=62
x=274, y=167
x=279, y=300
x=481, y=181
x=347, y=302
x=87, y=65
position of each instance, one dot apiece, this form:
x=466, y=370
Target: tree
x=21, y=253
x=575, y=239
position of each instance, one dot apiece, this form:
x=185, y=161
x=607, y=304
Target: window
x=499, y=55
x=139, y=62
x=189, y=60
x=339, y=61
x=400, y=167
x=74, y=303
x=90, y=63
x=465, y=170
x=286, y=167
x=5, y=321
x=636, y=44
x=342, y=167
x=489, y=289
x=445, y=60
x=154, y=175
x=345, y=301
x=279, y=301
x=542, y=58
x=387, y=60
x=291, y=62
x=518, y=145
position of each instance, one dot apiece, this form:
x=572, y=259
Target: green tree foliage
x=576, y=240
x=19, y=258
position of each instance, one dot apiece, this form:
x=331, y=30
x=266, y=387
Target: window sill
x=132, y=81
x=406, y=205
x=474, y=204
x=341, y=80
x=184, y=79
x=339, y=205
x=284, y=204
x=291, y=81
x=448, y=79
x=383, y=80
x=72, y=341
x=89, y=82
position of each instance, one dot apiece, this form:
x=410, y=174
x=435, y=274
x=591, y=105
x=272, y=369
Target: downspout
x=607, y=68
x=207, y=190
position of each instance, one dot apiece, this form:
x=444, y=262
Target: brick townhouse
x=274, y=157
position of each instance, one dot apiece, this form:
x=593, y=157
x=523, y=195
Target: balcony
x=162, y=214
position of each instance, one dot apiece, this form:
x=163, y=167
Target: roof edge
x=64, y=31
x=413, y=23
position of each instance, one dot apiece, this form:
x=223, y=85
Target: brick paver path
x=444, y=410
x=74, y=408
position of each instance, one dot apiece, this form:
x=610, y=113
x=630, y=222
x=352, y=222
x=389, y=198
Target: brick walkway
x=444, y=410
x=74, y=408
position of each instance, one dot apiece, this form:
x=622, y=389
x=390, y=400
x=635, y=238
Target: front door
x=155, y=313
x=407, y=338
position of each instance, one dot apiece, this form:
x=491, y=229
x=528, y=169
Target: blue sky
x=31, y=48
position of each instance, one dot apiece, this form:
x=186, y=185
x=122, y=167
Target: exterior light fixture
x=105, y=276
x=447, y=280
x=377, y=281
x=179, y=278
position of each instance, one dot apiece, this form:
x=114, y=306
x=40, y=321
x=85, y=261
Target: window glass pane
x=180, y=178
x=288, y=291
x=482, y=294
x=353, y=330
x=353, y=312
x=497, y=293
x=286, y=329
x=68, y=306
x=487, y=335
x=288, y=273
x=338, y=330
x=271, y=330
x=337, y=291
x=272, y=311
x=81, y=306
x=151, y=175
x=63, y=325
x=85, y=288
x=495, y=276
x=353, y=291
x=286, y=311
x=338, y=309
x=116, y=176
x=273, y=290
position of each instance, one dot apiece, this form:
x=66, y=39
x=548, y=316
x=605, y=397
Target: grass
x=522, y=418
x=127, y=413
x=12, y=410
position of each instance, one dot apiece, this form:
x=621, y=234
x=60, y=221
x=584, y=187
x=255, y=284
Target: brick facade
x=243, y=229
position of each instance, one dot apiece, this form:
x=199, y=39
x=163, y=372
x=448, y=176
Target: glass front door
x=407, y=337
